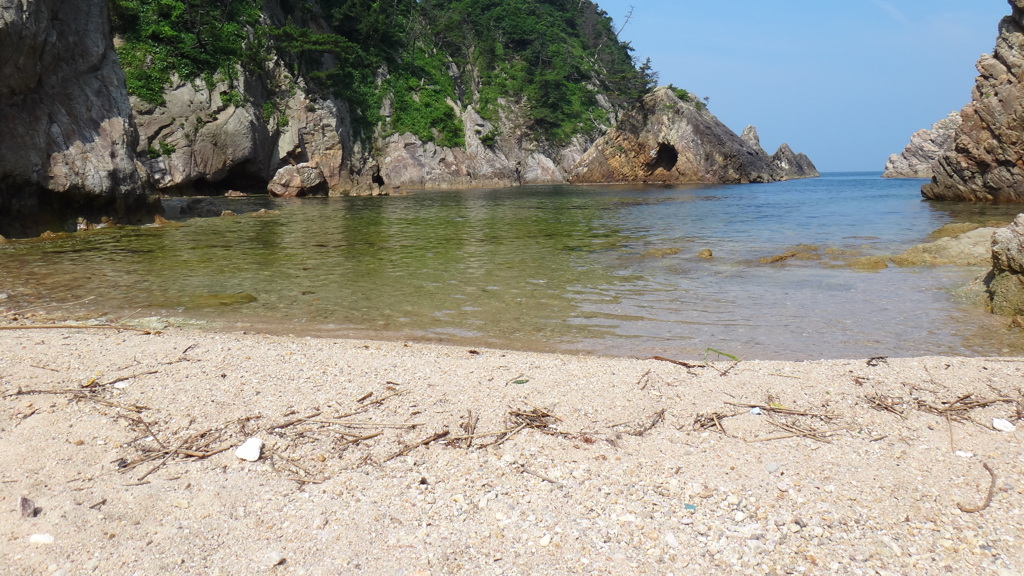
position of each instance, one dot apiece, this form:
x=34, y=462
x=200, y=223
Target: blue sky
x=847, y=82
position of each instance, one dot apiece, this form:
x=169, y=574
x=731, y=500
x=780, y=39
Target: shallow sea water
x=610, y=270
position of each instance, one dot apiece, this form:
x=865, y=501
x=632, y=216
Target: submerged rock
x=973, y=248
x=924, y=149
x=666, y=139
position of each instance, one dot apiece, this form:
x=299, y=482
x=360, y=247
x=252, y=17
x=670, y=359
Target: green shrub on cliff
x=554, y=56
x=192, y=38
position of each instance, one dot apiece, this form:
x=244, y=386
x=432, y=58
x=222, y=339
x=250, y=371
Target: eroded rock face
x=987, y=159
x=67, y=147
x=1006, y=281
x=924, y=149
x=513, y=159
x=667, y=140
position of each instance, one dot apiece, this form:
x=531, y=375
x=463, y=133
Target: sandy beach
x=413, y=459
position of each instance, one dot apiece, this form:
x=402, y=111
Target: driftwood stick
x=798, y=435
x=412, y=447
x=294, y=421
x=676, y=362
x=988, y=497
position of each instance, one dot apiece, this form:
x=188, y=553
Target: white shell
x=250, y=450
x=1003, y=425
x=40, y=539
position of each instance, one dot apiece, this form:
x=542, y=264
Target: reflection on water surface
x=605, y=269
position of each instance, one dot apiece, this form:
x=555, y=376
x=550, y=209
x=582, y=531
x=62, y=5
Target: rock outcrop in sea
x=924, y=149
x=1006, y=280
x=67, y=146
x=666, y=139
x=986, y=162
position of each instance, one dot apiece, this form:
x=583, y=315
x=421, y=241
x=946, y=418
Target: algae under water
x=610, y=269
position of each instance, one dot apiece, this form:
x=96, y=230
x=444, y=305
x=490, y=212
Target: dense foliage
x=413, y=58
x=193, y=38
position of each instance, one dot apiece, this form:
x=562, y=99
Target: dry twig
x=988, y=497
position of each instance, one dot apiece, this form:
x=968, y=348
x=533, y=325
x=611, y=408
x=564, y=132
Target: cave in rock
x=240, y=177
x=665, y=158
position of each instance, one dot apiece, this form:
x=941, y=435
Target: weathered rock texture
x=924, y=149
x=513, y=159
x=668, y=140
x=1006, y=281
x=300, y=180
x=987, y=159
x=67, y=141
x=204, y=140
x=971, y=248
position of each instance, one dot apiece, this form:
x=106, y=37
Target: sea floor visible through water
x=612, y=270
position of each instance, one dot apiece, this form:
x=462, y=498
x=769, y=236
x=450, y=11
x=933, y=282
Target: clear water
x=611, y=269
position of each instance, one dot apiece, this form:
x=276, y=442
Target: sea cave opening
x=665, y=158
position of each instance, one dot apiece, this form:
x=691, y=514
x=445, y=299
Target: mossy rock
x=953, y=230
x=661, y=252
x=869, y=263
x=1007, y=293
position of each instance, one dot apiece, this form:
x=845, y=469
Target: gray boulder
x=296, y=181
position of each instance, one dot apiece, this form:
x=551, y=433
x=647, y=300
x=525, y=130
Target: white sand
x=594, y=492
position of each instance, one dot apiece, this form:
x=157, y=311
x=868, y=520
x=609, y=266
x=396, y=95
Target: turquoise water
x=611, y=269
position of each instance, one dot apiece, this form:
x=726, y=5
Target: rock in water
x=1006, y=280
x=985, y=161
x=925, y=148
x=300, y=180
x=68, y=143
x=673, y=140
x=250, y=450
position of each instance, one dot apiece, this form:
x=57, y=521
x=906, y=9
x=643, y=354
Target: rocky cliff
x=987, y=159
x=332, y=98
x=924, y=149
x=68, y=142
x=671, y=140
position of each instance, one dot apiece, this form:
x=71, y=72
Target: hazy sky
x=846, y=82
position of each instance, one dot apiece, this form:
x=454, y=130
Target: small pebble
x=773, y=467
x=545, y=540
x=250, y=450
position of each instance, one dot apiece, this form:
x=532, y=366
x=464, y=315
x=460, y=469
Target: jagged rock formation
x=67, y=147
x=924, y=149
x=512, y=160
x=1006, y=280
x=203, y=140
x=987, y=159
x=665, y=139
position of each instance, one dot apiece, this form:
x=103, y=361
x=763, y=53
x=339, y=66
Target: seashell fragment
x=250, y=450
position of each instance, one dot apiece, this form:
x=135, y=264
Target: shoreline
x=551, y=463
